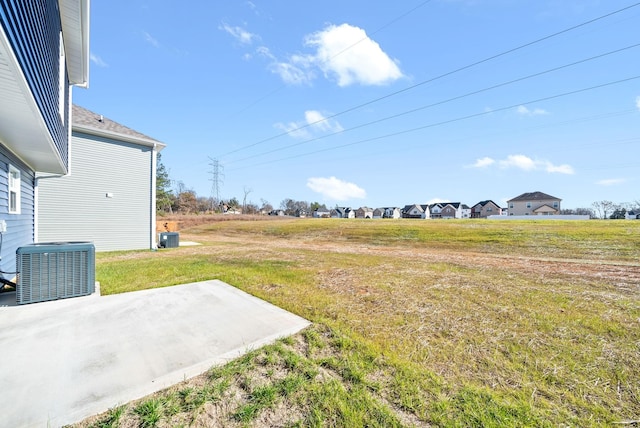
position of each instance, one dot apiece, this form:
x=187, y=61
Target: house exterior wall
x=449, y=212
x=415, y=212
x=490, y=209
x=364, y=213
x=393, y=213
x=107, y=199
x=484, y=211
x=33, y=31
x=528, y=207
x=19, y=226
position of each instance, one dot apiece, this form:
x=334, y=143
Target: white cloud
x=150, y=39
x=525, y=163
x=314, y=121
x=483, y=162
x=336, y=189
x=294, y=129
x=288, y=72
x=347, y=53
x=561, y=169
x=344, y=53
x=437, y=201
x=240, y=34
x=318, y=121
x=97, y=60
x=611, y=181
x=291, y=73
x=638, y=102
x=518, y=161
x=528, y=112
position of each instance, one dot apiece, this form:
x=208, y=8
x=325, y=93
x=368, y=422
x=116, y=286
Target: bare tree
x=246, y=190
x=603, y=208
x=266, y=206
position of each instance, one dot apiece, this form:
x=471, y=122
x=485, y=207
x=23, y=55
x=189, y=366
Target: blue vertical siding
x=33, y=29
x=20, y=227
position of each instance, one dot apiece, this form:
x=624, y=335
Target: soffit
x=22, y=128
x=74, y=16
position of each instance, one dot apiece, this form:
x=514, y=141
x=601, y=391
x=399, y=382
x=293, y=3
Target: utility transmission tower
x=217, y=179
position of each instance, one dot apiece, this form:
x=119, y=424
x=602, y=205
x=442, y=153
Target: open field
x=416, y=323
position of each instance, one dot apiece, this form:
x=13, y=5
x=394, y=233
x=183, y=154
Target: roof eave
x=23, y=130
x=120, y=137
x=74, y=16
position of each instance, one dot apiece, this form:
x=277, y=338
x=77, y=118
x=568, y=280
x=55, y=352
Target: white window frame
x=13, y=184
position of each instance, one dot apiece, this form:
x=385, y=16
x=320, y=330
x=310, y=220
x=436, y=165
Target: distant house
x=109, y=197
x=452, y=210
x=484, y=209
x=364, y=212
x=44, y=52
x=436, y=210
x=633, y=215
x=534, y=203
x=301, y=212
x=387, y=212
x=416, y=211
x=342, y=212
x=321, y=213
x=277, y=212
x=449, y=210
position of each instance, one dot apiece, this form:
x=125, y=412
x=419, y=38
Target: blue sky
x=378, y=103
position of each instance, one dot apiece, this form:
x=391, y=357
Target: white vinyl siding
x=107, y=199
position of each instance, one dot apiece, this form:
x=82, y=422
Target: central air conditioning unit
x=55, y=270
x=169, y=240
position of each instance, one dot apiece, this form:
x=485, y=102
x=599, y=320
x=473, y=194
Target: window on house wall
x=528, y=204
x=555, y=204
x=14, y=190
x=510, y=205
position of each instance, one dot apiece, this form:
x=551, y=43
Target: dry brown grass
x=445, y=334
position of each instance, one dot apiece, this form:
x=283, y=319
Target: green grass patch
x=447, y=323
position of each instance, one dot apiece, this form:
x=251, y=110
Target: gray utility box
x=169, y=240
x=55, y=270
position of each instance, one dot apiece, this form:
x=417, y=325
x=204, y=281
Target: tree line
x=179, y=199
x=182, y=200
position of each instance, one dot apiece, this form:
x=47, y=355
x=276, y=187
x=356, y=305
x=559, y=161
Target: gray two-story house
x=109, y=196
x=534, y=203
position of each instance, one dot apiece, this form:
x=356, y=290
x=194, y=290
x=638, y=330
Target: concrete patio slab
x=65, y=360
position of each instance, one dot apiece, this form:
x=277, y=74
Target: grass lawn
x=415, y=323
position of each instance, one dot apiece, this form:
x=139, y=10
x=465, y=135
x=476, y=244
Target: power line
x=456, y=98
x=449, y=121
x=441, y=76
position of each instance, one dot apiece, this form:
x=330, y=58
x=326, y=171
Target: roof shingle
x=87, y=120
